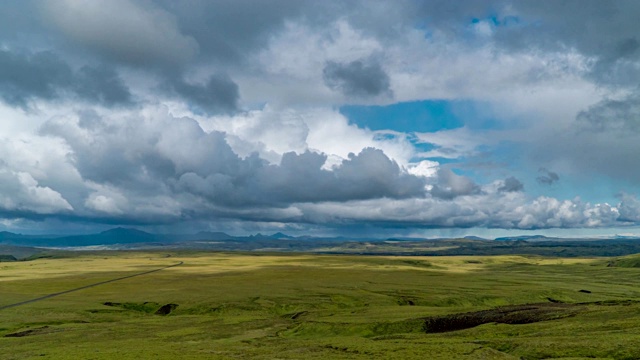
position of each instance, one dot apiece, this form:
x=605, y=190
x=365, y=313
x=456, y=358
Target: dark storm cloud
x=358, y=78
x=133, y=33
x=148, y=159
x=606, y=31
x=611, y=116
x=547, y=177
x=43, y=75
x=226, y=31
x=218, y=95
x=300, y=178
x=449, y=185
x=102, y=85
x=511, y=184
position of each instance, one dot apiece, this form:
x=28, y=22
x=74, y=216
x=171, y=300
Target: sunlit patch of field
x=51, y=268
x=225, y=262
x=303, y=306
x=381, y=249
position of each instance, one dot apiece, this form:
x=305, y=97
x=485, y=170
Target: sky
x=360, y=118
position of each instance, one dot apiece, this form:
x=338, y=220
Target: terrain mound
x=512, y=314
x=145, y=307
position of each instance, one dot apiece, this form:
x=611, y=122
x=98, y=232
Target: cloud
x=301, y=179
x=25, y=77
x=629, y=208
x=511, y=184
x=614, y=116
x=130, y=32
x=219, y=94
x=22, y=194
x=102, y=85
x=548, y=177
x=486, y=209
x=237, y=111
x=357, y=78
x=272, y=131
x=128, y=162
x=449, y=185
x=131, y=168
x=602, y=141
x=228, y=31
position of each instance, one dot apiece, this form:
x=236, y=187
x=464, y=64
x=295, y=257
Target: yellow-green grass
x=298, y=306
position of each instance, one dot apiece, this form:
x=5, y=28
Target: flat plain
x=308, y=306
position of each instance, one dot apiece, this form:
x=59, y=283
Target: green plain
x=299, y=306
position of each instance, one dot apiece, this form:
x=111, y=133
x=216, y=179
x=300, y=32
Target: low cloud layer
x=135, y=170
x=208, y=173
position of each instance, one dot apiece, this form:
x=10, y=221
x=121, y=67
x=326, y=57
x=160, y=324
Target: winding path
x=86, y=287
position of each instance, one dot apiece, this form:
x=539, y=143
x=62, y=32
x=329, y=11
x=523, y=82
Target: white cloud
x=22, y=193
x=122, y=29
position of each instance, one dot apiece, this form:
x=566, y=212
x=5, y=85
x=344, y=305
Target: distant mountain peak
x=522, y=237
x=212, y=235
x=471, y=237
x=126, y=233
x=280, y=235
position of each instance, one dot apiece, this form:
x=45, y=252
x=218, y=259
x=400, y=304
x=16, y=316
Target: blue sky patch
x=422, y=116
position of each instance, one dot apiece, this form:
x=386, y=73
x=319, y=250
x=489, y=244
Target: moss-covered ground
x=278, y=306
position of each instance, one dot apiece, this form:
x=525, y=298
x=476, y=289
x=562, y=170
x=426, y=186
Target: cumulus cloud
x=490, y=210
x=547, y=177
x=122, y=30
x=159, y=165
x=131, y=169
x=25, y=77
x=301, y=179
x=21, y=194
x=511, y=184
x=449, y=185
x=357, y=78
x=219, y=94
x=629, y=208
x=618, y=117
x=230, y=30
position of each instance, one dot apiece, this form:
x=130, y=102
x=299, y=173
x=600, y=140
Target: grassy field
x=276, y=306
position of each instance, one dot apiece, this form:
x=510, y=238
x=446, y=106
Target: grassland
x=297, y=306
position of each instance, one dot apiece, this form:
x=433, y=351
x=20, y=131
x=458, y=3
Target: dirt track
x=86, y=287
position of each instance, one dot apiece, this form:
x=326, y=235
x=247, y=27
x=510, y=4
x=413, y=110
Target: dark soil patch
x=166, y=309
x=298, y=314
x=612, y=303
x=30, y=332
x=418, y=263
x=405, y=301
x=148, y=307
x=512, y=314
x=144, y=307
